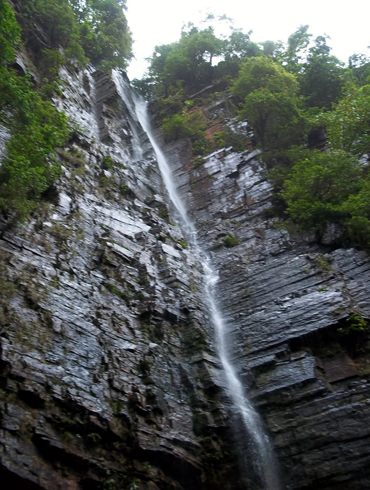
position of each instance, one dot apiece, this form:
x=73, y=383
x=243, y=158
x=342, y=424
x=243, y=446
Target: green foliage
x=144, y=87
x=323, y=263
x=163, y=213
x=260, y=72
x=220, y=138
x=323, y=76
x=216, y=246
x=108, y=162
x=9, y=32
x=92, y=29
x=49, y=63
x=229, y=138
x=104, y=33
x=283, y=92
x=144, y=366
x=269, y=102
x=37, y=129
x=296, y=51
x=187, y=125
x=195, y=340
x=319, y=189
x=182, y=243
x=355, y=324
x=176, y=127
x=187, y=62
x=94, y=437
x=357, y=208
x=57, y=20
x=348, y=124
x=359, y=64
x=114, y=290
x=236, y=48
x=239, y=46
x=230, y=241
x=171, y=105
x=318, y=186
x=74, y=158
x=125, y=189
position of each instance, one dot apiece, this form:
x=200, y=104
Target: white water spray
x=264, y=461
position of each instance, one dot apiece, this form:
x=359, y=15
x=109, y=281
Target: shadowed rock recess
x=108, y=370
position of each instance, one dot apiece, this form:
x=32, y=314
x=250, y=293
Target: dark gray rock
x=284, y=300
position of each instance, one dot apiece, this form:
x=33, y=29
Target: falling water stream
x=264, y=461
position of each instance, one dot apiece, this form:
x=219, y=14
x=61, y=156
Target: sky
x=156, y=22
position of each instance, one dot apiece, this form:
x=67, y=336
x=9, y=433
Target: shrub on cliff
x=35, y=127
x=187, y=125
x=329, y=188
x=9, y=32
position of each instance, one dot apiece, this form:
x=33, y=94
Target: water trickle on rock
x=263, y=458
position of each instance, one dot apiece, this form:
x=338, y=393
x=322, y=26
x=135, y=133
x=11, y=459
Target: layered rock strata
x=108, y=374
x=288, y=303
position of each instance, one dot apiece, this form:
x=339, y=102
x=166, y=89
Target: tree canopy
x=9, y=32
x=94, y=30
x=269, y=100
x=73, y=31
x=187, y=62
x=286, y=93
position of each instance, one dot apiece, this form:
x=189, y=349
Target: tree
x=269, y=102
x=296, y=50
x=272, y=49
x=35, y=125
x=9, y=32
x=187, y=62
x=359, y=64
x=239, y=46
x=357, y=208
x=57, y=19
x=37, y=128
x=261, y=72
x=323, y=76
x=105, y=35
x=93, y=28
x=348, y=124
x=318, y=187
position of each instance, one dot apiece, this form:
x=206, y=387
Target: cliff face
x=106, y=355
x=286, y=301
x=108, y=371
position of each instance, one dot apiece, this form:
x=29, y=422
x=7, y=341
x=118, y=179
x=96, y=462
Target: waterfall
x=127, y=97
x=264, y=461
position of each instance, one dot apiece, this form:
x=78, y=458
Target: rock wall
x=286, y=301
x=108, y=372
x=108, y=375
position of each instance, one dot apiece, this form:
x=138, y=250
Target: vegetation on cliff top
x=286, y=93
x=57, y=32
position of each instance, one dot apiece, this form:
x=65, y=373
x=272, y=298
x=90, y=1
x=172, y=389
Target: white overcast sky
x=156, y=22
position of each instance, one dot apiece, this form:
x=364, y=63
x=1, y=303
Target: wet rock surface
x=109, y=376
x=286, y=302
x=107, y=364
